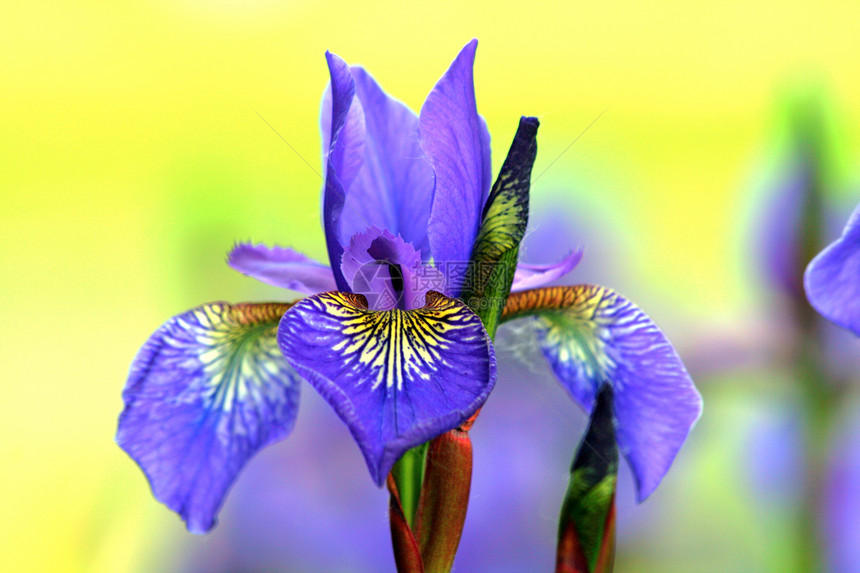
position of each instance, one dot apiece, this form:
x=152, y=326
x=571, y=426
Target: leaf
x=586, y=534
x=494, y=253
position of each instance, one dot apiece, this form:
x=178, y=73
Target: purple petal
x=386, y=270
x=529, y=276
x=456, y=140
x=393, y=188
x=842, y=500
x=832, y=279
x=594, y=334
x=207, y=391
x=396, y=378
x=344, y=139
x=282, y=267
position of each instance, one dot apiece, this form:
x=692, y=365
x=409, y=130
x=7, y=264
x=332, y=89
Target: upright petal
x=528, y=276
x=345, y=147
x=393, y=188
x=207, y=391
x=386, y=270
x=832, y=279
x=456, y=140
x=396, y=378
x=589, y=335
x=282, y=267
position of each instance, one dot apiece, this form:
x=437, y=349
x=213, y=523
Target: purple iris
x=382, y=337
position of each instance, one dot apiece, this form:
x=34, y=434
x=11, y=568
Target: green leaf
x=586, y=533
x=408, y=474
x=506, y=214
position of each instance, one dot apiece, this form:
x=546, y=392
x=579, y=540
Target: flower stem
x=820, y=391
x=442, y=511
x=586, y=533
x=407, y=553
x=408, y=473
x=820, y=399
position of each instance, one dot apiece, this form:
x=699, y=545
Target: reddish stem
x=407, y=554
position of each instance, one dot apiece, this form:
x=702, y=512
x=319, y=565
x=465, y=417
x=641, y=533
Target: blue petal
x=590, y=334
x=832, y=279
x=343, y=138
x=456, y=140
x=396, y=378
x=529, y=276
x=282, y=267
x=394, y=185
x=207, y=391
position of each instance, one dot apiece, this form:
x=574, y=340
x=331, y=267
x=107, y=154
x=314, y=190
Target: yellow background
x=132, y=156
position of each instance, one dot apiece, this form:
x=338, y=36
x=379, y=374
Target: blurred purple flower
x=832, y=279
x=800, y=215
x=832, y=283
x=842, y=499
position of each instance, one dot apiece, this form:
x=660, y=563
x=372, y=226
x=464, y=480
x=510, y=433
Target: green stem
x=821, y=400
x=820, y=392
x=409, y=475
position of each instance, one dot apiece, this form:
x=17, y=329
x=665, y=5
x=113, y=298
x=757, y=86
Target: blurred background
x=139, y=140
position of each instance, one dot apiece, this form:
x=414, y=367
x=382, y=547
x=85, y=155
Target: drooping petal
x=530, y=276
x=207, y=391
x=344, y=150
x=393, y=188
x=386, y=270
x=591, y=334
x=282, y=267
x=396, y=378
x=456, y=140
x=832, y=279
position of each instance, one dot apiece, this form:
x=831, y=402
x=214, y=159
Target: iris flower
x=383, y=336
